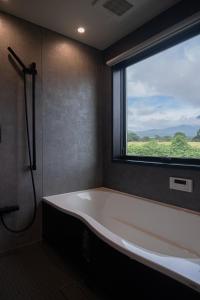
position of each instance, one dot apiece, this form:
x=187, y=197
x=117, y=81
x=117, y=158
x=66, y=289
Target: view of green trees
x=178, y=145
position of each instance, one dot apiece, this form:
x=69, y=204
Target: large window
x=161, y=105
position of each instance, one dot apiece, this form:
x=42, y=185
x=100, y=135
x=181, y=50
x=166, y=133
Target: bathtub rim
x=115, y=241
x=157, y=202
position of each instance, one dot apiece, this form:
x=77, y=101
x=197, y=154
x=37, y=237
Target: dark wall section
x=68, y=122
x=146, y=181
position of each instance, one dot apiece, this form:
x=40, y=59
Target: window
x=160, y=106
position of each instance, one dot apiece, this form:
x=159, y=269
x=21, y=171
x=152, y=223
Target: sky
x=164, y=90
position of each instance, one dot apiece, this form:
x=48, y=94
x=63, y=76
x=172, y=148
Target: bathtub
x=160, y=236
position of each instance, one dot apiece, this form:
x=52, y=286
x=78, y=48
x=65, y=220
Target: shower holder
x=8, y=209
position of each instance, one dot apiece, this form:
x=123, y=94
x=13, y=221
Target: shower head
x=31, y=70
x=17, y=58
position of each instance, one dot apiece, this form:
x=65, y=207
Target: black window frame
x=119, y=113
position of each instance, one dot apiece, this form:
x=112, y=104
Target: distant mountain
x=189, y=130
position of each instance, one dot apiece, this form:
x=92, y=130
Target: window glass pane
x=163, y=103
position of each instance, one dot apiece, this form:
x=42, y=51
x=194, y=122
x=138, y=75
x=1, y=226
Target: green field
x=177, y=147
x=193, y=144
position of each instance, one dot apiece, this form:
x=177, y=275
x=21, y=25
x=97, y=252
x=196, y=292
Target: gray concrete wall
x=72, y=115
x=68, y=105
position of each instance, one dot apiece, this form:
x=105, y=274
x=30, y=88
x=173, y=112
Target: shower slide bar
x=33, y=72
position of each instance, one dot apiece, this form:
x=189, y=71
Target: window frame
x=119, y=137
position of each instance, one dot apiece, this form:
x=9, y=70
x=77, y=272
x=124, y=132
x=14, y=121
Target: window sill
x=162, y=164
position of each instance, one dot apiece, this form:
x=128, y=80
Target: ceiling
x=103, y=27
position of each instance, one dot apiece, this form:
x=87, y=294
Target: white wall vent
x=118, y=7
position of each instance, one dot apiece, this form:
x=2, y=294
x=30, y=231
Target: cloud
x=141, y=89
x=192, y=53
x=174, y=73
x=164, y=90
x=146, y=114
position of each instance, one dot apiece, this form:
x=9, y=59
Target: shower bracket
x=31, y=70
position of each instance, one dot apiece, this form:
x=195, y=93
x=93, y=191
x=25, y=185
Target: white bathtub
x=162, y=237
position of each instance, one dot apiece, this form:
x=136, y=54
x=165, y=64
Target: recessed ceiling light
x=81, y=30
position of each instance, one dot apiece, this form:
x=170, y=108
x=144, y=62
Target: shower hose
x=31, y=170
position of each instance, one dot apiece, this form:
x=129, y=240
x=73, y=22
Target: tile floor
x=37, y=272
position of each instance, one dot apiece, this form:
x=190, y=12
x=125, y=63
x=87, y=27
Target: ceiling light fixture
x=81, y=30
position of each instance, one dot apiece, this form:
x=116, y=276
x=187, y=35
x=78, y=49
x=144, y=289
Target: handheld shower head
x=17, y=58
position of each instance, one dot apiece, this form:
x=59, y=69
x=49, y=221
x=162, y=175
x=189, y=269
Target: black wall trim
x=138, y=161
